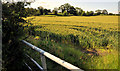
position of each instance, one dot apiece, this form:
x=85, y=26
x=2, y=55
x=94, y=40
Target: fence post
x=43, y=60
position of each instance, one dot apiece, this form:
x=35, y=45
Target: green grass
x=75, y=56
x=71, y=37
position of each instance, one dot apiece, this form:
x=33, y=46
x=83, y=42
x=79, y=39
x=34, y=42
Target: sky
x=87, y=5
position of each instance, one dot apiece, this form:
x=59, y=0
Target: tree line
x=65, y=10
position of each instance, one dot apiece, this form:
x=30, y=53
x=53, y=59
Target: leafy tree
x=105, y=12
x=30, y=11
x=91, y=13
x=45, y=11
x=98, y=12
x=37, y=13
x=41, y=10
x=65, y=7
x=79, y=10
x=55, y=11
x=87, y=14
x=111, y=14
x=73, y=10
x=65, y=13
x=49, y=10
x=83, y=13
x=62, y=7
x=12, y=33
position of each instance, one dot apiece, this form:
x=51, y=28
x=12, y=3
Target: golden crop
x=63, y=25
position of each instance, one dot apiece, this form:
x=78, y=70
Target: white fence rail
x=52, y=57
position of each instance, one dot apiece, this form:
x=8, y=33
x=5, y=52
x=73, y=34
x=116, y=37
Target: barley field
x=86, y=42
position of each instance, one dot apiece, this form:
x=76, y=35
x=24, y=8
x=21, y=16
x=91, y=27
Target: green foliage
x=65, y=13
x=87, y=14
x=105, y=12
x=37, y=13
x=79, y=11
x=111, y=14
x=105, y=42
x=31, y=11
x=68, y=8
x=73, y=10
x=45, y=11
x=83, y=13
x=41, y=10
x=62, y=8
x=98, y=12
x=12, y=20
x=55, y=12
x=65, y=7
x=95, y=14
x=71, y=53
x=91, y=13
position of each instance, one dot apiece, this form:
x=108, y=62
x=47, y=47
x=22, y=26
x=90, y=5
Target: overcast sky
x=87, y=5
